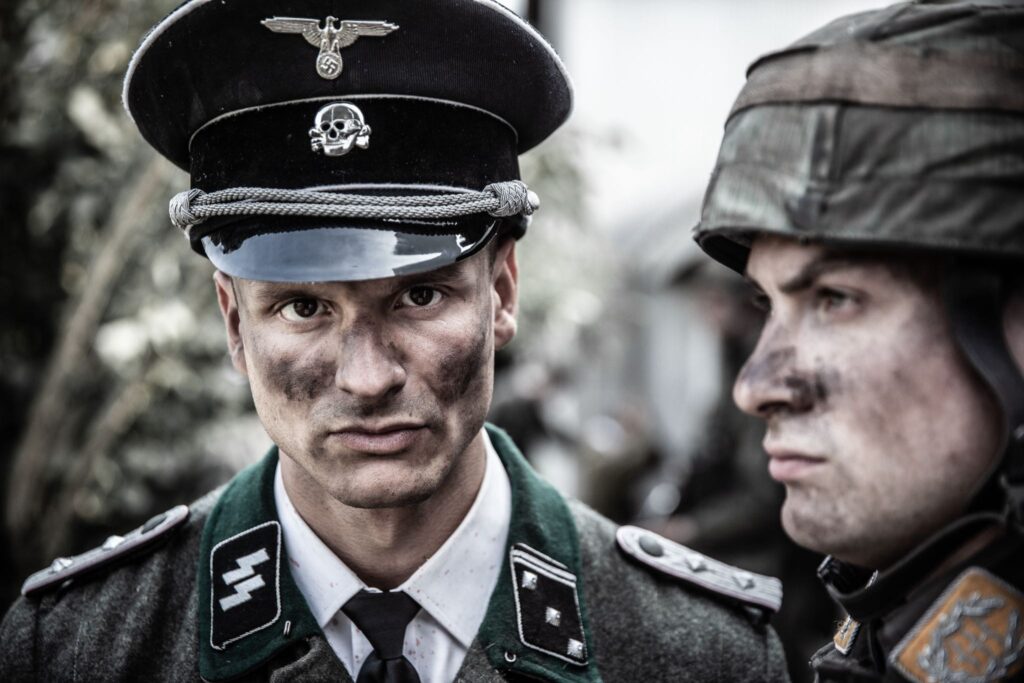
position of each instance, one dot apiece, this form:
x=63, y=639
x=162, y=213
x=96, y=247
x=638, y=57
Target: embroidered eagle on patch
x=331, y=38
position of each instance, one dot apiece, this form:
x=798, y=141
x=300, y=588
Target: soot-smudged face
x=875, y=423
x=374, y=388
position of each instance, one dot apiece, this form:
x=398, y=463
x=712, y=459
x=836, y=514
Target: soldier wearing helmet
x=870, y=184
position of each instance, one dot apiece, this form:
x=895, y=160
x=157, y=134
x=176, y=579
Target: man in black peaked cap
x=870, y=186
x=355, y=184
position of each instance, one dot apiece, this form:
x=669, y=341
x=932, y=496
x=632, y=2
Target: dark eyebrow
x=443, y=275
x=269, y=292
x=817, y=267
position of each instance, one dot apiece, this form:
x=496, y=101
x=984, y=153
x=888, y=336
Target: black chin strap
x=975, y=296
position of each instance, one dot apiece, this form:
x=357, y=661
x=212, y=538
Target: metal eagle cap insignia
x=972, y=634
x=334, y=35
x=338, y=128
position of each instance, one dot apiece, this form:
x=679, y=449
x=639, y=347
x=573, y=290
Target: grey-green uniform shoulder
x=138, y=620
x=132, y=619
x=650, y=625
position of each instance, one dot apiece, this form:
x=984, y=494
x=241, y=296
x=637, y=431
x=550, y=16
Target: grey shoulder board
x=693, y=567
x=113, y=550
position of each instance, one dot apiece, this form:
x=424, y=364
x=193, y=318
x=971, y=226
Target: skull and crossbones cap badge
x=332, y=142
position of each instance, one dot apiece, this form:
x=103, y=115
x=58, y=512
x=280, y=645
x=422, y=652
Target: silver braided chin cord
x=192, y=207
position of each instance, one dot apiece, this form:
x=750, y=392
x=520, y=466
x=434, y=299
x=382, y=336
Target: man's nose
x=770, y=383
x=368, y=365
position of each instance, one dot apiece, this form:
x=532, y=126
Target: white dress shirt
x=453, y=587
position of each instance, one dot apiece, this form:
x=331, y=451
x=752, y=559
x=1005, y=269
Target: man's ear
x=227, y=299
x=505, y=293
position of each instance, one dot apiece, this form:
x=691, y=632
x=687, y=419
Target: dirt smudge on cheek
x=461, y=367
x=802, y=391
x=811, y=390
x=298, y=381
x=824, y=383
x=293, y=377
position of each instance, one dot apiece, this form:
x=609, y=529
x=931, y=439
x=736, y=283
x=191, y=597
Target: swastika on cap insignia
x=331, y=38
x=974, y=631
x=547, y=605
x=245, y=595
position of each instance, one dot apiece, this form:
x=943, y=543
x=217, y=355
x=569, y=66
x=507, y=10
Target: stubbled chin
x=378, y=500
x=807, y=524
x=386, y=485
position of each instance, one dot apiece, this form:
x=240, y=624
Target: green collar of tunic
x=541, y=524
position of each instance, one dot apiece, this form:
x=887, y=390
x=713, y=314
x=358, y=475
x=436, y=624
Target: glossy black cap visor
x=304, y=250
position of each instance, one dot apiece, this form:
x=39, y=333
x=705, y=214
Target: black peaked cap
x=450, y=92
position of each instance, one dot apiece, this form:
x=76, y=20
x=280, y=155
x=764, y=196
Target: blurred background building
x=119, y=401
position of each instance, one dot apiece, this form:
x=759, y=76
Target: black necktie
x=382, y=617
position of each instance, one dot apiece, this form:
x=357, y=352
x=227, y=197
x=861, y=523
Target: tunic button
x=651, y=546
x=154, y=523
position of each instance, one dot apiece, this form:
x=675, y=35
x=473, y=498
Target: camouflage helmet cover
x=901, y=127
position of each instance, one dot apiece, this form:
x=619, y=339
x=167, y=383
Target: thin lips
x=377, y=429
x=788, y=455
x=775, y=453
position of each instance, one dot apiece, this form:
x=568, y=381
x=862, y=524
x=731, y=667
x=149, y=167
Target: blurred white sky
x=663, y=74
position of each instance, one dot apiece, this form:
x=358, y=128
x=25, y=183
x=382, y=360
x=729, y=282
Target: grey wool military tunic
x=214, y=600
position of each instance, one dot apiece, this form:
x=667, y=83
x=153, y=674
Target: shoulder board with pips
x=114, y=550
x=688, y=565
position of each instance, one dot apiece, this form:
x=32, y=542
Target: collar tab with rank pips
x=763, y=592
x=973, y=632
x=331, y=38
x=547, y=605
x=536, y=621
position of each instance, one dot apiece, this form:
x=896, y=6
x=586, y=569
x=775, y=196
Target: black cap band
x=412, y=142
